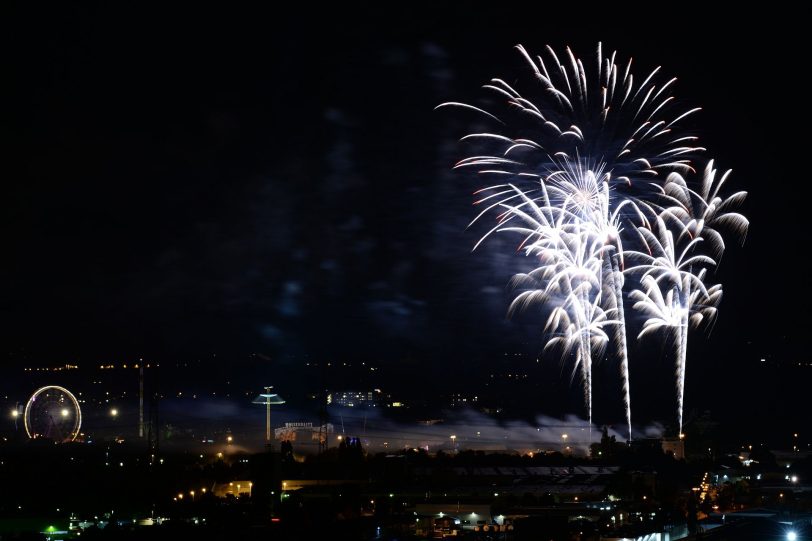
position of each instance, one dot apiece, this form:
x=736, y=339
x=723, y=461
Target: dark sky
x=181, y=182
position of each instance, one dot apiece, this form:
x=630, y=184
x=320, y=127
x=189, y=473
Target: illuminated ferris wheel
x=53, y=413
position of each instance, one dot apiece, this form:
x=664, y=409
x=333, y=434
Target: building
x=357, y=399
x=303, y=432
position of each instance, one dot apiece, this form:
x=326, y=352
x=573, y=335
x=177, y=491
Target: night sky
x=187, y=182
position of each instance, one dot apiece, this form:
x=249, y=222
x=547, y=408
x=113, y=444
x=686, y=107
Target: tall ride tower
x=268, y=398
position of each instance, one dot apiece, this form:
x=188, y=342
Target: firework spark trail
x=679, y=271
x=697, y=217
x=571, y=257
x=682, y=306
x=705, y=212
x=594, y=162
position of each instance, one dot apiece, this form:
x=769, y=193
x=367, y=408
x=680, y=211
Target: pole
x=268, y=416
x=141, y=402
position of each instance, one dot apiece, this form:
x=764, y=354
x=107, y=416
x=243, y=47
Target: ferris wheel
x=53, y=413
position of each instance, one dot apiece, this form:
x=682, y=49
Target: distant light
x=114, y=412
x=15, y=413
x=794, y=479
x=65, y=412
x=792, y=536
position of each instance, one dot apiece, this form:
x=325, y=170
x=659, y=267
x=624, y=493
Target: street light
x=114, y=412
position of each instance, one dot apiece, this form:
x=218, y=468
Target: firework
x=682, y=305
x=593, y=163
